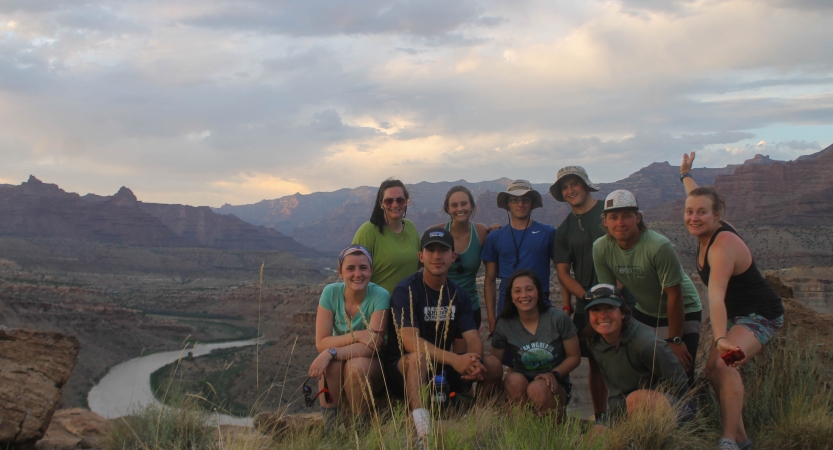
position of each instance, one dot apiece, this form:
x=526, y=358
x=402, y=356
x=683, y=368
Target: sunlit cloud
x=234, y=101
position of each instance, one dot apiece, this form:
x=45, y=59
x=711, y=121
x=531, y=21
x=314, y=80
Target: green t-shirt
x=645, y=269
x=394, y=255
x=332, y=299
x=574, y=240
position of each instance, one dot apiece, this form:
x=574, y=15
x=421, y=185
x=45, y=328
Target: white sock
x=422, y=421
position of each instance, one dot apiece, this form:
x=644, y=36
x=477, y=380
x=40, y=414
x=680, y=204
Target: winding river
x=127, y=385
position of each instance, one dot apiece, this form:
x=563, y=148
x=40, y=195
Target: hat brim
x=437, y=241
x=604, y=301
x=503, y=198
x=555, y=189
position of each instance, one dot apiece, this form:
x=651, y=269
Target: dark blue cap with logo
x=437, y=236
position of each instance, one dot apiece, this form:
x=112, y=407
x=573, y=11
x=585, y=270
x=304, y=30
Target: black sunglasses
x=460, y=268
x=399, y=200
x=309, y=399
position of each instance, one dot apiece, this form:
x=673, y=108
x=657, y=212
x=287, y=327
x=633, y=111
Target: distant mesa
x=761, y=191
x=35, y=209
x=765, y=192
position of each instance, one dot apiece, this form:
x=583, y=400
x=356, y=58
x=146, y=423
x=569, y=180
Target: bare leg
x=493, y=375
x=542, y=398
x=728, y=385
x=515, y=385
x=359, y=374
x=414, y=369
x=646, y=399
x=333, y=375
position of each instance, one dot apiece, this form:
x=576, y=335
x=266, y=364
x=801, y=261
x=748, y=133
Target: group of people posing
x=636, y=318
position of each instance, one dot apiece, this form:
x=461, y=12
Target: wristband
x=718, y=340
x=556, y=375
x=683, y=176
x=568, y=308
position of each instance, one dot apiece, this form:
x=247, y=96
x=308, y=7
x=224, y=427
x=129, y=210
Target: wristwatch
x=333, y=352
x=568, y=309
x=684, y=176
x=676, y=340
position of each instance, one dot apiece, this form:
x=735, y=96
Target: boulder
x=74, y=428
x=34, y=366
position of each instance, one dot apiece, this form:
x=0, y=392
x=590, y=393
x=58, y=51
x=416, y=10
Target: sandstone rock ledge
x=34, y=366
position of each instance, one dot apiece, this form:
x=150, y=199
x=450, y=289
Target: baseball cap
x=603, y=294
x=620, y=199
x=519, y=188
x=555, y=189
x=437, y=236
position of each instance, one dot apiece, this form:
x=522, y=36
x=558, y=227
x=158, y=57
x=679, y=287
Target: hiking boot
x=727, y=444
x=746, y=445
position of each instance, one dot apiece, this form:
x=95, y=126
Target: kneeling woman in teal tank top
x=349, y=329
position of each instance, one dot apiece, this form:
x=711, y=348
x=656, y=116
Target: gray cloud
x=192, y=102
x=322, y=17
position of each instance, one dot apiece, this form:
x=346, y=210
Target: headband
x=352, y=249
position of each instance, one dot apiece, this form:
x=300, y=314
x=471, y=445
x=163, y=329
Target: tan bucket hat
x=555, y=189
x=519, y=188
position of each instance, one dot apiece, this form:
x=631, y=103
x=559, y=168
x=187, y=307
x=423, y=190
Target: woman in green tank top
x=468, y=242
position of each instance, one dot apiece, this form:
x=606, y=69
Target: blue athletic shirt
x=535, y=253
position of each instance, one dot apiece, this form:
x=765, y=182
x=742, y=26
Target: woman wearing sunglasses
x=392, y=239
x=349, y=328
x=543, y=345
x=640, y=369
x=468, y=240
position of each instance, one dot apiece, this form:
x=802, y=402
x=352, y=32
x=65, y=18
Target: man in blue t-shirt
x=524, y=244
x=428, y=312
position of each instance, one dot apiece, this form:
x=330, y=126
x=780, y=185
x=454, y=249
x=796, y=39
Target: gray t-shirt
x=574, y=240
x=534, y=354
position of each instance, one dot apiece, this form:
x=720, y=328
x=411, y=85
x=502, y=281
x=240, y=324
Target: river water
x=127, y=386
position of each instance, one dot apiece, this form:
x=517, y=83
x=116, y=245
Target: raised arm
x=685, y=167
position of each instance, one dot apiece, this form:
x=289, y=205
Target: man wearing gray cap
x=573, y=251
x=524, y=244
x=646, y=263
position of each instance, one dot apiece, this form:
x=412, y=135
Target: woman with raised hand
x=543, y=343
x=468, y=241
x=349, y=329
x=392, y=239
x=635, y=363
x=745, y=310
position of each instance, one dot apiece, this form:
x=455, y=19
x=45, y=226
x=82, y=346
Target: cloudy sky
x=210, y=102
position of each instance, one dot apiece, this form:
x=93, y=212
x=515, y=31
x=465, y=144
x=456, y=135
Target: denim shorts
x=761, y=327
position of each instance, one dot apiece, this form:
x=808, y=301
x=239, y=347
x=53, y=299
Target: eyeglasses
x=600, y=293
x=460, y=268
x=399, y=201
x=309, y=400
x=516, y=200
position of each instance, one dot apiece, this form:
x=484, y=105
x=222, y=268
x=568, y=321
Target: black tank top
x=748, y=292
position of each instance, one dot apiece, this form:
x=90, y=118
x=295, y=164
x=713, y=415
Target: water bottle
x=441, y=389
